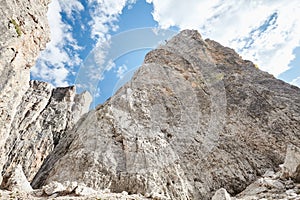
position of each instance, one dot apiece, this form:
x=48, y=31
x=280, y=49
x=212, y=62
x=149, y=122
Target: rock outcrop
x=33, y=114
x=59, y=191
x=221, y=194
x=17, y=181
x=43, y=117
x=24, y=32
x=195, y=118
x=280, y=185
x=291, y=165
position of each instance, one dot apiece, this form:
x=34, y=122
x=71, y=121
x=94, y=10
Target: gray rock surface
x=24, y=32
x=82, y=190
x=195, y=117
x=33, y=115
x=44, y=115
x=53, y=187
x=16, y=181
x=41, y=195
x=280, y=185
x=291, y=165
x=221, y=194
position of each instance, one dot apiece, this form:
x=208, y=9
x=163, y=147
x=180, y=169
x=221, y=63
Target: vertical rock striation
x=33, y=115
x=43, y=117
x=24, y=32
x=195, y=117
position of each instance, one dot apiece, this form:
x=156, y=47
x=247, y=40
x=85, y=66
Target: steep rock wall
x=43, y=117
x=194, y=118
x=24, y=32
x=33, y=114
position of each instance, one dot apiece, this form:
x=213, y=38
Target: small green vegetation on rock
x=17, y=27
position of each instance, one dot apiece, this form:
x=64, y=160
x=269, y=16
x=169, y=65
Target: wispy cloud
x=296, y=81
x=104, y=17
x=121, y=71
x=55, y=62
x=265, y=32
x=71, y=7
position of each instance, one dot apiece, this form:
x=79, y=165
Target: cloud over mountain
x=265, y=32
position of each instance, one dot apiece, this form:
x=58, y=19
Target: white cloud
x=70, y=7
x=104, y=15
x=121, y=71
x=265, y=32
x=55, y=62
x=296, y=82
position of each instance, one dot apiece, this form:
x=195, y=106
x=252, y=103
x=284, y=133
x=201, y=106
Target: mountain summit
x=196, y=121
x=195, y=117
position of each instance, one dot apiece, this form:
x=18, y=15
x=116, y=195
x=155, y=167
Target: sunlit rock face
x=195, y=117
x=24, y=32
x=33, y=114
x=43, y=117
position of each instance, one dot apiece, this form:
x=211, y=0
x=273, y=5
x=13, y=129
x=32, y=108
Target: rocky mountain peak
x=196, y=121
x=194, y=118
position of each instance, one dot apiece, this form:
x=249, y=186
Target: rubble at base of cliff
x=282, y=185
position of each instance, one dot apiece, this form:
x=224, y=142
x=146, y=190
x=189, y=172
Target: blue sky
x=265, y=32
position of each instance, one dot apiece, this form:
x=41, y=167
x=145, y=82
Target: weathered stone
x=291, y=193
x=269, y=173
x=82, y=190
x=16, y=181
x=24, y=32
x=53, y=187
x=33, y=115
x=37, y=192
x=270, y=183
x=194, y=117
x=291, y=165
x=70, y=186
x=272, y=187
x=44, y=115
x=221, y=194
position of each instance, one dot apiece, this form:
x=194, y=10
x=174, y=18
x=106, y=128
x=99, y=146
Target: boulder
x=15, y=180
x=291, y=165
x=221, y=194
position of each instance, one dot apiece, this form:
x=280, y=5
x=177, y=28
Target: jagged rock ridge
x=195, y=117
x=24, y=31
x=33, y=114
x=43, y=117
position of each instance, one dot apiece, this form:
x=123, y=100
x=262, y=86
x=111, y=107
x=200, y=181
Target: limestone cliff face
x=43, y=117
x=24, y=32
x=194, y=118
x=33, y=114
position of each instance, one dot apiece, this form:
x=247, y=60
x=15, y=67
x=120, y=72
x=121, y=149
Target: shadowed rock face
x=194, y=118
